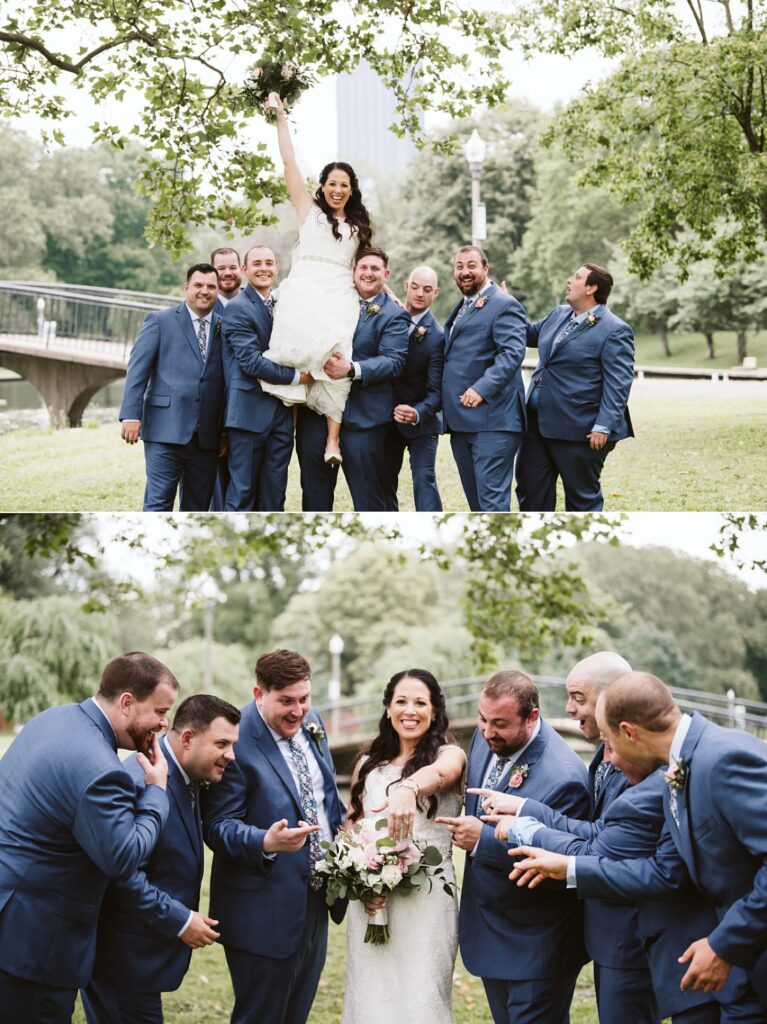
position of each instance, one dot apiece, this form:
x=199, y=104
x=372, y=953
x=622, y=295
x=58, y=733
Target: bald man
x=417, y=417
x=715, y=833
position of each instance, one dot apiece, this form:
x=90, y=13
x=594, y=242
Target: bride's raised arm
x=300, y=196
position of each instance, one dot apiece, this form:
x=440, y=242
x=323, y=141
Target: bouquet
x=267, y=76
x=362, y=861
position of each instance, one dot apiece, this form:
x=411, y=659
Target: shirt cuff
x=296, y=377
x=600, y=429
x=417, y=419
x=524, y=829
x=270, y=856
x=357, y=370
x=186, y=924
x=572, y=882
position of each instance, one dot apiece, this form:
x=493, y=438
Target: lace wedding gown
x=409, y=980
x=316, y=314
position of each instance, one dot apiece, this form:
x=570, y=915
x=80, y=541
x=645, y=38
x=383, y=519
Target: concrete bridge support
x=66, y=387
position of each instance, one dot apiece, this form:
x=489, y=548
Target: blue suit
x=259, y=427
x=526, y=946
x=273, y=926
x=719, y=840
x=582, y=382
x=179, y=400
x=419, y=386
x=70, y=819
x=652, y=933
x=380, y=346
x=139, y=954
x=484, y=350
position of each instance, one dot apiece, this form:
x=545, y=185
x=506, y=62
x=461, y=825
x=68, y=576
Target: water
x=22, y=407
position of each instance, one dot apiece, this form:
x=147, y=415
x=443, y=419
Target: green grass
x=690, y=350
x=691, y=453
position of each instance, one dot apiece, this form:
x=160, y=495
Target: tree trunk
x=709, y=336
x=663, y=335
x=742, y=349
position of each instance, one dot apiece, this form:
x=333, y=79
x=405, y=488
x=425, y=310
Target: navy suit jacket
x=655, y=931
x=588, y=377
x=247, y=330
x=261, y=904
x=380, y=346
x=420, y=385
x=168, y=386
x=138, y=946
x=505, y=931
x=721, y=841
x=485, y=352
x=70, y=819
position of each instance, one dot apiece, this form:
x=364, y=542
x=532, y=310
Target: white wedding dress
x=316, y=314
x=409, y=980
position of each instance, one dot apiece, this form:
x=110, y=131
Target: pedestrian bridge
x=354, y=722
x=68, y=340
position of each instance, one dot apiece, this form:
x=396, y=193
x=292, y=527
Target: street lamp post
x=475, y=150
x=336, y=648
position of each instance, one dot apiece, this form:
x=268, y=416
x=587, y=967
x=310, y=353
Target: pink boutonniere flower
x=591, y=320
x=420, y=333
x=519, y=773
x=676, y=775
x=480, y=302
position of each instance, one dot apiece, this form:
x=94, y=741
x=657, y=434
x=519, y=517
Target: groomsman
x=149, y=924
x=418, y=398
x=259, y=427
x=228, y=267
x=71, y=818
x=577, y=407
x=174, y=397
x=527, y=953
x=280, y=791
x=716, y=779
x=482, y=390
x=379, y=351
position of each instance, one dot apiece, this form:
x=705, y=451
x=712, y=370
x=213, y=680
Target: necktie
x=202, y=337
x=495, y=775
x=599, y=777
x=570, y=326
x=269, y=303
x=191, y=792
x=310, y=809
x=363, y=306
x=466, y=303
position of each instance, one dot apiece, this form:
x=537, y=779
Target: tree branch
x=30, y=43
x=697, y=14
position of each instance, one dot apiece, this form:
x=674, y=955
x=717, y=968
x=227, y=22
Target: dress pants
x=485, y=461
x=28, y=1002
x=542, y=459
x=184, y=467
x=104, y=1004
x=258, y=466
x=271, y=991
x=423, y=455
x=541, y=1001
x=624, y=996
x=318, y=479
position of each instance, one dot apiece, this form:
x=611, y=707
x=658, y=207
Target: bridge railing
x=55, y=315
x=356, y=719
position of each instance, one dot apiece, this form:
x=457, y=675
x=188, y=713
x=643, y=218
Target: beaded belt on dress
x=326, y=259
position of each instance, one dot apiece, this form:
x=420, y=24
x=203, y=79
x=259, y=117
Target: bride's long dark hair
x=386, y=746
x=357, y=216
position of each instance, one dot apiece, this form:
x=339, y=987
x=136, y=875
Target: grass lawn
x=690, y=350
x=691, y=453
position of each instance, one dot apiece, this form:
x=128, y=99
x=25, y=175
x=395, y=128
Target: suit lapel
x=322, y=757
x=99, y=719
x=187, y=329
x=179, y=792
x=480, y=759
x=687, y=847
x=273, y=754
x=264, y=320
x=470, y=312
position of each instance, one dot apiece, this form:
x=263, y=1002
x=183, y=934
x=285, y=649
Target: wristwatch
x=351, y=373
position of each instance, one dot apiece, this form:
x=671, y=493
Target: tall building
x=365, y=109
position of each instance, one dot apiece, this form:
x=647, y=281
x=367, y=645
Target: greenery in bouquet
x=363, y=861
x=270, y=75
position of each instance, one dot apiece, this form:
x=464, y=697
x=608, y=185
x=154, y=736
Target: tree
x=679, y=127
x=186, y=65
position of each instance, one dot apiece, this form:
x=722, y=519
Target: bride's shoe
x=333, y=459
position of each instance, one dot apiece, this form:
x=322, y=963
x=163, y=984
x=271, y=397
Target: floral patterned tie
x=599, y=778
x=202, y=337
x=495, y=775
x=310, y=809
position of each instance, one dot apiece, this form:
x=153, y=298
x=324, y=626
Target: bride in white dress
x=318, y=306
x=409, y=774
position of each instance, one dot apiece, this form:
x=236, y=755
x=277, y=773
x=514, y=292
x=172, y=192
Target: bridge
x=354, y=722
x=69, y=341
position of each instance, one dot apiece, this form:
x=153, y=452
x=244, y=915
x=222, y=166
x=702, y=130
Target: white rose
x=391, y=875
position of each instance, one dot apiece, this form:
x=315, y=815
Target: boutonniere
x=218, y=329
x=420, y=333
x=480, y=302
x=317, y=734
x=372, y=308
x=591, y=320
x=519, y=773
x=676, y=775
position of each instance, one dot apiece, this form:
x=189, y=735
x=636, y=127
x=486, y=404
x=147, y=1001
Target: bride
x=410, y=773
x=318, y=306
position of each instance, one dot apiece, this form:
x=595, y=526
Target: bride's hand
x=275, y=103
x=374, y=904
x=401, y=813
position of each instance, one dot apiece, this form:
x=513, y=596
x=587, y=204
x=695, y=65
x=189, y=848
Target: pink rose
x=516, y=780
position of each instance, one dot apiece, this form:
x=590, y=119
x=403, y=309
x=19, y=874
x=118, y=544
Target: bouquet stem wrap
x=377, y=931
